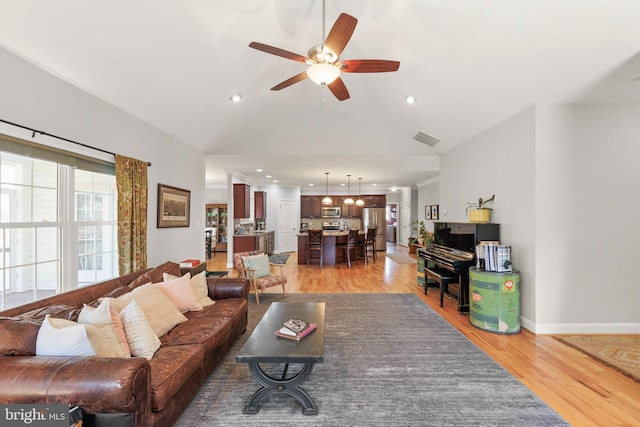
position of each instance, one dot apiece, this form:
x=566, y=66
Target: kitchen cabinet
x=216, y=217
x=311, y=206
x=350, y=211
x=375, y=201
x=241, y=201
x=260, y=202
x=263, y=242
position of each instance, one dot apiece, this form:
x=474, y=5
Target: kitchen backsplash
x=345, y=223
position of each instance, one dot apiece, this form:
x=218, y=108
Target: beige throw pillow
x=161, y=313
x=180, y=293
x=142, y=340
x=108, y=321
x=198, y=285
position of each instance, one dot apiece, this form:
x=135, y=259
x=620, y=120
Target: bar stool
x=351, y=245
x=369, y=243
x=314, y=244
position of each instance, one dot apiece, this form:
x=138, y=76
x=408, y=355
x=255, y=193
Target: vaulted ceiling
x=470, y=64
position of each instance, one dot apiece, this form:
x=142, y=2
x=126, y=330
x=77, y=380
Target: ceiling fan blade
x=278, y=52
x=369, y=66
x=338, y=89
x=340, y=33
x=293, y=80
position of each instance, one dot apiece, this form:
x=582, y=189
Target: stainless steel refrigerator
x=376, y=217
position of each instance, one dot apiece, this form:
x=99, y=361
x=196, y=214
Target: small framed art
x=173, y=206
x=435, y=211
x=427, y=212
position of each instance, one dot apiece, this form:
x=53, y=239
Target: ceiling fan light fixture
x=323, y=74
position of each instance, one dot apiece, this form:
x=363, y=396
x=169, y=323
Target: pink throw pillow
x=180, y=293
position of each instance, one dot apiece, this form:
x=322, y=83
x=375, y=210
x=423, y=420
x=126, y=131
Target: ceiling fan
x=324, y=61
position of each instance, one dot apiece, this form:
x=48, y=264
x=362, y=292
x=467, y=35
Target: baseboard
x=580, y=328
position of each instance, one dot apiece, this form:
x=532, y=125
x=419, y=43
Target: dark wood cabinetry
x=260, y=201
x=241, y=201
x=263, y=242
x=375, y=201
x=311, y=206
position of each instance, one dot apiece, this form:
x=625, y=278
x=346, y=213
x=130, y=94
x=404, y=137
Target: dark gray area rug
x=389, y=360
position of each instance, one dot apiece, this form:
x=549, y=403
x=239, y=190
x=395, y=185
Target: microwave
x=331, y=212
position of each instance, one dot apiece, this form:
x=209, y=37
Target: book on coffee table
x=285, y=332
x=296, y=325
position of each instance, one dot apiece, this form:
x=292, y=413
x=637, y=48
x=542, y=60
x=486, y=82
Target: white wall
x=429, y=194
x=499, y=161
x=37, y=99
x=587, y=228
x=566, y=179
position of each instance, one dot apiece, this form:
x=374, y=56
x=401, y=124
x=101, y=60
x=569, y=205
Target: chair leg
x=255, y=290
x=283, y=289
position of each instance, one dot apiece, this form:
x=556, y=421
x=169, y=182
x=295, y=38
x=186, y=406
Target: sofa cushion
x=199, y=286
x=18, y=336
x=162, y=314
x=180, y=293
x=167, y=376
x=61, y=337
x=206, y=331
x=108, y=321
x=143, y=342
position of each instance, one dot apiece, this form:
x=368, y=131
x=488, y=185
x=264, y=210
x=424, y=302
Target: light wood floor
x=583, y=391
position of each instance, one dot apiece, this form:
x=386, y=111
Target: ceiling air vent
x=426, y=139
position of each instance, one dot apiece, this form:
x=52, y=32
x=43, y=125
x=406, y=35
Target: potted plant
x=423, y=237
x=479, y=212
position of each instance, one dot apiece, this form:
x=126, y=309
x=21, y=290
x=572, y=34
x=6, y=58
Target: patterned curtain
x=131, y=182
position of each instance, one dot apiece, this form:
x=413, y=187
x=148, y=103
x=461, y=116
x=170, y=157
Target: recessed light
x=268, y=176
x=310, y=185
x=275, y=180
x=374, y=184
x=258, y=170
x=236, y=98
x=342, y=185
x=410, y=99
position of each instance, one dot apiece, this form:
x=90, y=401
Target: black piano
x=453, y=252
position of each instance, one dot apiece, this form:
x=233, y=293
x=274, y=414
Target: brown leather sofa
x=121, y=391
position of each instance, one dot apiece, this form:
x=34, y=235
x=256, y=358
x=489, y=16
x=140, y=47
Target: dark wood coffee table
x=264, y=346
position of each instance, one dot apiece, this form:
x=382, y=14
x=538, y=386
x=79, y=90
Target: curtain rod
x=33, y=135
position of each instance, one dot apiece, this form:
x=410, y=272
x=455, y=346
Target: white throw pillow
x=61, y=337
x=142, y=340
x=198, y=285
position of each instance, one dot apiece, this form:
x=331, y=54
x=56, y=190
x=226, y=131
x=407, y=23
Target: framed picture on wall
x=427, y=212
x=434, y=211
x=173, y=206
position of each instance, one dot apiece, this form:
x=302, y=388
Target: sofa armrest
x=97, y=384
x=228, y=287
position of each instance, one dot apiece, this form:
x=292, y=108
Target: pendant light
x=348, y=200
x=359, y=202
x=327, y=200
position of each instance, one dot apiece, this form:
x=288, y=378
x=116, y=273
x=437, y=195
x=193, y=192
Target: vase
x=479, y=215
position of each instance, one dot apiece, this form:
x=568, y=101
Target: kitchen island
x=330, y=256
x=262, y=241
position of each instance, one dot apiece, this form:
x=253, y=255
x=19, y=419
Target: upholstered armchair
x=255, y=266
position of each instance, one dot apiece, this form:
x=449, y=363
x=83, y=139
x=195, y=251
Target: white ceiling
x=471, y=64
